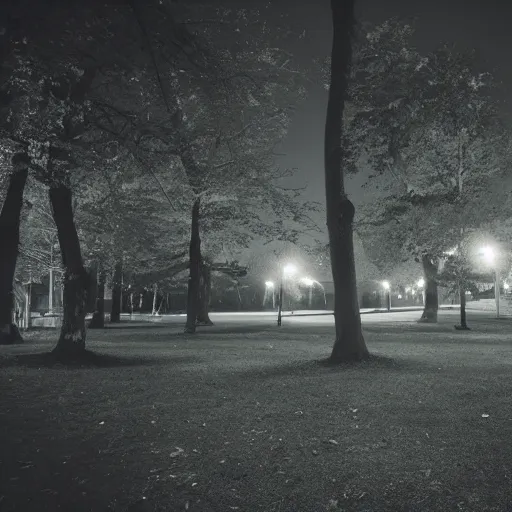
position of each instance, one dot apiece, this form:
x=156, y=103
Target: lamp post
x=489, y=255
x=288, y=270
x=387, y=287
x=269, y=286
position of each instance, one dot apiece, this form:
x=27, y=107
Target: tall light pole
x=50, y=283
x=387, y=287
x=489, y=255
x=288, y=270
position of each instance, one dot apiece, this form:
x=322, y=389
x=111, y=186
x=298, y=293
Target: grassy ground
x=253, y=421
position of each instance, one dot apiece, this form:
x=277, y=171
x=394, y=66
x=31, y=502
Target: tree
x=229, y=133
x=428, y=130
x=45, y=90
x=10, y=237
x=349, y=344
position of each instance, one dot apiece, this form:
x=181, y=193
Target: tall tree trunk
x=205, y=287
x=92, y=292
x=431, y=296
x=463, y=321
x=349, y=344
x=195, y=269
x=115, y=315
x=76, y=280
x=98, y=317
x=9, y=241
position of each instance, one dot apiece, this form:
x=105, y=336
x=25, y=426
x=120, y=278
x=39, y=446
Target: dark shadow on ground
x=201, y=329
x=322, y=366
x=90, y=360
x=407, y=328
x=233, y=329
x=148, y=325
x=215, y=331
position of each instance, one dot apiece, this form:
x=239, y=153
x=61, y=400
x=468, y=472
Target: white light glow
x=421, y=283
x=488, y=254
x=386, y=285
x=289, y=269
x=269, y=284
x=307, y=281
x=506, y=286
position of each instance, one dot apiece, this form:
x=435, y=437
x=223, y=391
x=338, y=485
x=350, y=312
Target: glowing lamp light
x=421, y=283
x=488, y=254
x=506, y=286
x=269, y=284
x=386, y=285
x=289, y=269
x=307, y=281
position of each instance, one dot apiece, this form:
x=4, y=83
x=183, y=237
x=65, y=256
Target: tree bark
x=349, y=344
x=9, y=241
x=92, y=292
x=431, y=296
x=76, y=280
x=205, y=287
x=98, y=317
x=463, y=321
x=195, y=269
x=115, y=314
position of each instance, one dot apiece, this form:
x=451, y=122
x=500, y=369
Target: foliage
x=433, y=140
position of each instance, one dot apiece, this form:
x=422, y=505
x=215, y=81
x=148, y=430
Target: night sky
x=472, y=24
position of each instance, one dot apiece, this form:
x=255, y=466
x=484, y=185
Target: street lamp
x=387, y=287
x=489, y=255
x=269, y=287
x=288, y=270
x=506, y=287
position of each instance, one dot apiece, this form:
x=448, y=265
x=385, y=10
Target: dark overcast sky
x=484, y=25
